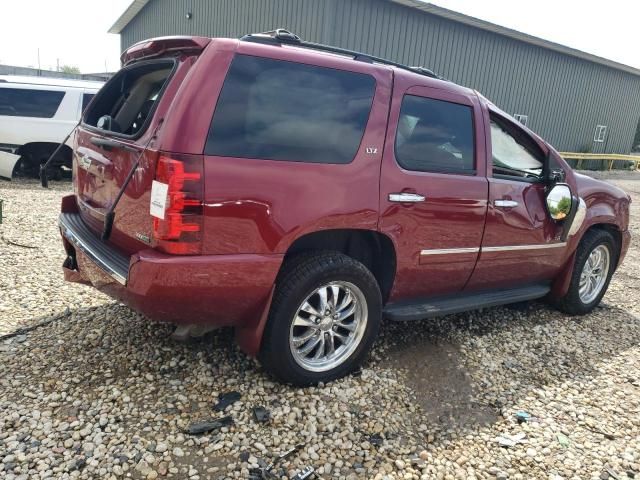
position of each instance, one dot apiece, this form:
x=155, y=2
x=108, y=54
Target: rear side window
x=22, y=102
x=278, y=110
x=435, y=136
x=126, y=102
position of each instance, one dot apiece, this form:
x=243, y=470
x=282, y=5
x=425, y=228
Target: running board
x=436, y=307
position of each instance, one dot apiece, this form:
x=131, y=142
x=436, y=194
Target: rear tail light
x=180, y=232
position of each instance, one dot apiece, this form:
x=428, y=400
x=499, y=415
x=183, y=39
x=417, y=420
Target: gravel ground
x=101, y=393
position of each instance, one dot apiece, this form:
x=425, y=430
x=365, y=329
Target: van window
x=23, y=102
x=126, y=102
x=278, y=110
x=86, y=100
x=435, y=136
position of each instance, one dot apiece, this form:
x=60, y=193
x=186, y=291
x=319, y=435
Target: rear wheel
x=33, y=158
x=323, y=321
x=595, y=263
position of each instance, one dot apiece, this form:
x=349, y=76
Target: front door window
x=511, y=156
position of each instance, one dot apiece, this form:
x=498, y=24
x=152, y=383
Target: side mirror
x=559, y=202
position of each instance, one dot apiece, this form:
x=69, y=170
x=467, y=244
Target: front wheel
x=595, y=263
x=323, y=321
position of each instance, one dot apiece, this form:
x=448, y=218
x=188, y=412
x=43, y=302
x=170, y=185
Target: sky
x=71, y=31
x=74, y=32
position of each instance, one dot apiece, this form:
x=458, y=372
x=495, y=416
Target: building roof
x=514, y=34
x=128, y=15
x=137, y=5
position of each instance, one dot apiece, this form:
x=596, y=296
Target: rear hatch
x=122, y=125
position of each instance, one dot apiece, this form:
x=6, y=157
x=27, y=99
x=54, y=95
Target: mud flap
x=249, y=338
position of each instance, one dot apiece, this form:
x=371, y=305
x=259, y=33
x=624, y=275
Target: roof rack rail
x=281, y=36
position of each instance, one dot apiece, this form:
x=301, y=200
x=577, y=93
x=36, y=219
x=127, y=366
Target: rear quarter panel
x=261, y=206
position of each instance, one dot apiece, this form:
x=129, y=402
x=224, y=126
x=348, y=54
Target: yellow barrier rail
x=609, y=157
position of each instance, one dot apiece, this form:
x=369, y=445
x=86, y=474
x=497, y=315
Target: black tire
x=299, y=278
x=571, y=303
x=31, y=162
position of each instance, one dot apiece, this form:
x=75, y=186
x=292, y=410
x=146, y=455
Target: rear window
x=126, y=103
x=23, y=102
x=278, y=110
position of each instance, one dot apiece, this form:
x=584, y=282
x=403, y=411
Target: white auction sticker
x=158, y=199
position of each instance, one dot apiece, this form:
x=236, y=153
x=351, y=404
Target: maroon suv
x=300, y=193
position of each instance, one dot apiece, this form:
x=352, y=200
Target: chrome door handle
x=505, y=203
x=406, y=197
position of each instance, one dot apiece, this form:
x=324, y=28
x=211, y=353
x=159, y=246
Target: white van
x=36, y=114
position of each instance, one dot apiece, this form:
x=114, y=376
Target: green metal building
x=575, y=100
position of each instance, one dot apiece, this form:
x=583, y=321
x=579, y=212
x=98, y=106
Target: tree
x=69, y=69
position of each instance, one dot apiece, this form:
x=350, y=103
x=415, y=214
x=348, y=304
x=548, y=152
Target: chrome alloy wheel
x=328, y=326
x=594, y=274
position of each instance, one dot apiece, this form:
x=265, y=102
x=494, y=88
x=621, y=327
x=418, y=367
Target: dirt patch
x=440, y=385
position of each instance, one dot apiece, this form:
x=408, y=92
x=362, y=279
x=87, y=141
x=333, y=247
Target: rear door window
x=435, y=136
x=126, y=103
x=24, y=102
x=278, y=110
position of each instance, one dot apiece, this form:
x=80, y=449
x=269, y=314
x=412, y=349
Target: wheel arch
x=373, y=249
x=44, y=147
x=561, y=284
x=608, y=224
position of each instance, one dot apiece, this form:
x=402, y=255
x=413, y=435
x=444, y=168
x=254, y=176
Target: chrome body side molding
x=448, y=251
x=506, y=248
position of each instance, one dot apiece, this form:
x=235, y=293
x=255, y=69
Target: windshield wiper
x=510, y=170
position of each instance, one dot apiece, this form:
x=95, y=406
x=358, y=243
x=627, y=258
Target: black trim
x=105, y=256
x=461, y=302
x=151, y=114
x=516, y=178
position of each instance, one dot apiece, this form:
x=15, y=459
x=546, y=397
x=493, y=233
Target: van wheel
x=596, y=259
x=324, y=318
